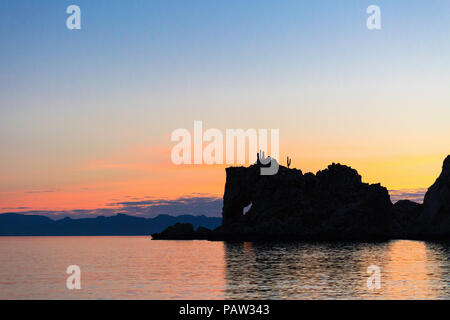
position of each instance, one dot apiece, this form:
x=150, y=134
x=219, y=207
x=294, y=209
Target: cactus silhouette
x=288, y=160
x=262, y=159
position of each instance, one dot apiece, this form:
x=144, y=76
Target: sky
x=86, y=115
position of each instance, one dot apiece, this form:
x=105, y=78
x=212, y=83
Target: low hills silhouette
x=333, y=204
x=14, y=224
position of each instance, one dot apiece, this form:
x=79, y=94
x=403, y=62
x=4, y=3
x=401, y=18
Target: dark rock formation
x=333, y=204
x=182, y=231
x=405, y=220
x=436, y=205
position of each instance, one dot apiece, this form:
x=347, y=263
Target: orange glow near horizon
x=130, y=177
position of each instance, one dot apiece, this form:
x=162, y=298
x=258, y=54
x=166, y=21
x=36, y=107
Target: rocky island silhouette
x=333, y=204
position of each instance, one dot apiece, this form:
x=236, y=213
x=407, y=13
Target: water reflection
x=139, y=268
x=409, y=270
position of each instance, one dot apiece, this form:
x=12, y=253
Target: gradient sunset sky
x=86, y=115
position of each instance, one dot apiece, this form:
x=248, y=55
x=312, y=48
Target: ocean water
x=139, y=268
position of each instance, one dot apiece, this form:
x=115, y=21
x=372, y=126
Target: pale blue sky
x=137, y=70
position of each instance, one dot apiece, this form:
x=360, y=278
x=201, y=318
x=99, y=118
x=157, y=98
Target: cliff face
x=436, y=204
x=333, y=204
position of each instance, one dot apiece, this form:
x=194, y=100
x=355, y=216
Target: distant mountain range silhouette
x=14, y=224
x=333, y=204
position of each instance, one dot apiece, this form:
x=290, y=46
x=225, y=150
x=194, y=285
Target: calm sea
x=138, y=268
